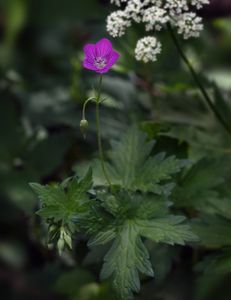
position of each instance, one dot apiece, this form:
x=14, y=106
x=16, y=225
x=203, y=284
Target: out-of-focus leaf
x=199, y=184
x=213, y=231
x=70, y=282
x=48, y=154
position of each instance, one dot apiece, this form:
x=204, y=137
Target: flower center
x=100, y=62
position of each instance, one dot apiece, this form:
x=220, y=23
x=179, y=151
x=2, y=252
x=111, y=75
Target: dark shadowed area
x=43, y=86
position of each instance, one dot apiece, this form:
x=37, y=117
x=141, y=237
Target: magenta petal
x=112, y=59
x=100, y=57
x=88, y=65
x=90, y=52
x=114, y=56
x=103, y=48
x=101, y=71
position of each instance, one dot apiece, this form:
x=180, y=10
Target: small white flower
x=189, y=25
x=155, y=14
x=154, y=18
x=157, y=3
x=117, y=23
x=199, y=3
x=176, y=6
x=147, y=49
x=134, y=10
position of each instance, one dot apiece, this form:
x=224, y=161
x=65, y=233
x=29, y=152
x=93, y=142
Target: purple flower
x=100, y=57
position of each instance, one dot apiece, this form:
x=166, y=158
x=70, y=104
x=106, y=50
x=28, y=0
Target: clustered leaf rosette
x=138, y=210
x=155, y=14
x=100, y=57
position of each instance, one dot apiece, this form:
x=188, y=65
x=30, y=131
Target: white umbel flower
x=176, y=6
x=199, y=3
x=147, y=49
x=155, y=14
x=189, y=24
x=117, y=23
x=134, y=10
x=154, y=18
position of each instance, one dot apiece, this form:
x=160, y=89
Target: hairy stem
x=197, y=81
x=100, y=147
x=85, y=105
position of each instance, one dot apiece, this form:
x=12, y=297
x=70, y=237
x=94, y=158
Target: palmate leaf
x=221, y=206
x=126, y=205
x=61, y=201
x=131, y=166
x=216, y=263
x=128, y=256
x=216, y=268
x=167, y=230
x=213, y=231
x=125, y=259
x=200, y=184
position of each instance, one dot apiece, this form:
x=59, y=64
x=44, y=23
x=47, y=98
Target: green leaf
x=162, y=257
x=134, y=216
x=222, y=207
x=131, y=166
x=47, y=155
x=200, y=184
x=71, y=282
x=159, y=169
x=136, y=205
x=216, y=263
x=168, y=230
x=76, y=190
x=125, y=259
x=222, y=105
x=102, y=238
x=213, y=231
x=49, y=195
x=62, y=201
x=216, y=267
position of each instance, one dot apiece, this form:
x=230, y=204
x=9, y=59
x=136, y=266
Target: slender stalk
x=100, y=147
x=85, y=105
x=197, y=81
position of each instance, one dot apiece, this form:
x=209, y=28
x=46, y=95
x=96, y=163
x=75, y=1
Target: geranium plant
x=131, y=203
x=125, y=198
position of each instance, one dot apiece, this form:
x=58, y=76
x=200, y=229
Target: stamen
x=100, y=62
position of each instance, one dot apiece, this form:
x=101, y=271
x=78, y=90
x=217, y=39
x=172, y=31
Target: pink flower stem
x=100, y=147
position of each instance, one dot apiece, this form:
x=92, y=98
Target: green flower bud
x=67, y=239
x=52, y=228
x=84, y=127
x=60, y=245
x=52, y=232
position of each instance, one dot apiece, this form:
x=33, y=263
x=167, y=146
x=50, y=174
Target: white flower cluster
x=118, y=23
x=155, y=14
x=147, y=49
x=189, y=25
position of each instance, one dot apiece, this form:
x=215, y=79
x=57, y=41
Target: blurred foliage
x=42, y=89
